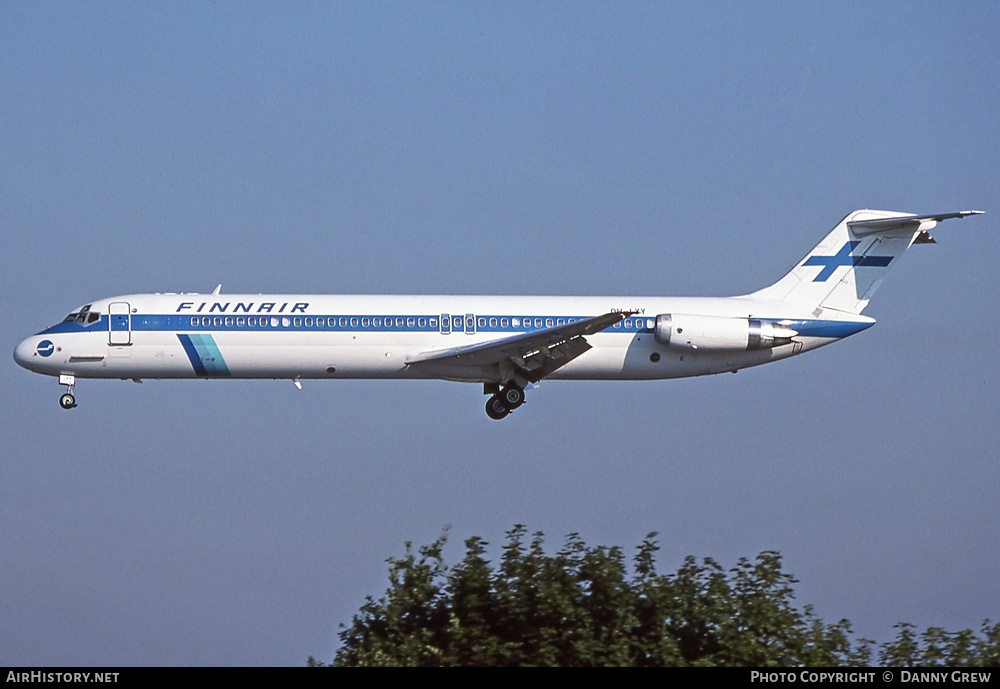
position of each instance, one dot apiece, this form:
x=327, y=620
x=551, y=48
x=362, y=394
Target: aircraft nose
x=28, y=352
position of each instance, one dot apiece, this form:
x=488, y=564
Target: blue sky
x=526, y=148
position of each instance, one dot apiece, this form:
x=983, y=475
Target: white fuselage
x=370, y=336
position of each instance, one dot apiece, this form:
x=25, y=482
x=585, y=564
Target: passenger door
x=119, y=323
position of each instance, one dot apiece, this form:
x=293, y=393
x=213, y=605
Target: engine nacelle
x=720, y=333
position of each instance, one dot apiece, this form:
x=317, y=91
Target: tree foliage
x=582, y=606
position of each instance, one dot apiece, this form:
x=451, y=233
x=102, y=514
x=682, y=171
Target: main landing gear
x=504, y=401
x=67, y=401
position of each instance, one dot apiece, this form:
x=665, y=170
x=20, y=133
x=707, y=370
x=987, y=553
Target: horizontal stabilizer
x=907, y=223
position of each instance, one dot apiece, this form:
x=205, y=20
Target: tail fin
x=846, y=268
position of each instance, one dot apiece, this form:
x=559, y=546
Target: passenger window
x=206, y=321
x=194, y=322
x=628, y=323
x=538, y=322
x=354, y=322
x=229, y=321
x=409, y=322
x=240, y=321
x=516, y=322
x=365, y=322
x=503, y=322
x=434, y=322
x=251, y=321
x=274, y=321
x=482, y=322
x=297, y=322
x=549, y=323
x=560, y=321
x=218, y=321
x=309, y=322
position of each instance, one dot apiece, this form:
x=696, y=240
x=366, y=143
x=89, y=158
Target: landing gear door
x=119, y=324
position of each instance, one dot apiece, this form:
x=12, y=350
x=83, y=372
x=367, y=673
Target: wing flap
x=539, y=352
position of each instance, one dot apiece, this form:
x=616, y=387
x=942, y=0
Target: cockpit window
x=84, y=316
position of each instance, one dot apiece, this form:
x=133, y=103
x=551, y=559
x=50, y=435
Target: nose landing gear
x=67, y=401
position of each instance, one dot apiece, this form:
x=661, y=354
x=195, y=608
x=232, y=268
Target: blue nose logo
x=45, y=348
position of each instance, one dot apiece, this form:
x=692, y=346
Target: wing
x=535, y=354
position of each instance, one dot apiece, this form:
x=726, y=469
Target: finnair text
x=242, y=307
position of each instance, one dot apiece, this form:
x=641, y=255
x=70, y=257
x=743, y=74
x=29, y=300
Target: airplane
x=504, y=343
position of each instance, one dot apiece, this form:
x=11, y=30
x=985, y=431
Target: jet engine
x=720, y=333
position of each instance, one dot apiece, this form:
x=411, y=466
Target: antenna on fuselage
x=218, y=289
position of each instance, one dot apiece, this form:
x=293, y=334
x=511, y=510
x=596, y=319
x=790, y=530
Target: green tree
x=582, y=606
x=936, y=647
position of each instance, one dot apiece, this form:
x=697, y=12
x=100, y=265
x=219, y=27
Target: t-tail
x=844, y=270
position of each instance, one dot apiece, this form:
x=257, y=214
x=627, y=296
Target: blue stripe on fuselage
x=192, y=354
x=204, y=354
x=175, y=323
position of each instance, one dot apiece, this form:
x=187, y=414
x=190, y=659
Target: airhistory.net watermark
x=61, y=677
